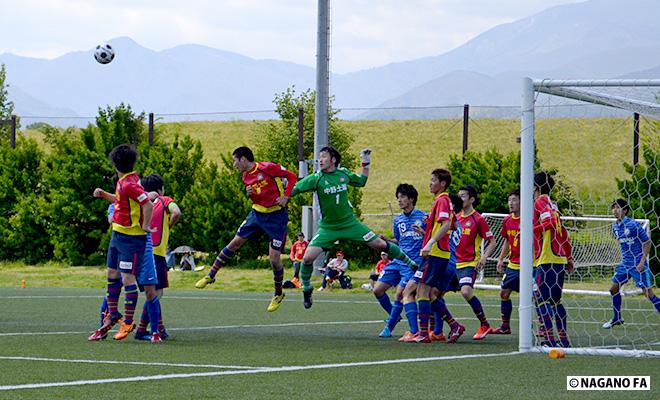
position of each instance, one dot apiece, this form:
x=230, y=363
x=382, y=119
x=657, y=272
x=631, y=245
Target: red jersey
x=160, y=219
x=267, y=184
x=380, y=265
x=298, y=250
x=551, y=241
x=474, y=229
x=511, y=232
x=129, y=198
x=441, y=211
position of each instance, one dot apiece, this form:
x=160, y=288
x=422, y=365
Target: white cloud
x=365, y=33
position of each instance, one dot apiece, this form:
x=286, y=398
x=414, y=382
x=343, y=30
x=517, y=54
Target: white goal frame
x=571, y=89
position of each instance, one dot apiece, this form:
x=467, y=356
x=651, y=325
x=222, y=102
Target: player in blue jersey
x=635, y=247
x=408, y=231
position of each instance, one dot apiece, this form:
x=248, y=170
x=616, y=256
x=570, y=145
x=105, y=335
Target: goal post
x=620, y=96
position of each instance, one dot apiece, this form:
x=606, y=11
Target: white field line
x=249, y=371
x=67, y=360
x=218, y=327
x=288, y=324
x=316, y=300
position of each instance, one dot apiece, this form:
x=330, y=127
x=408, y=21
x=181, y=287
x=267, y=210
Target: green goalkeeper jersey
x=331, y=189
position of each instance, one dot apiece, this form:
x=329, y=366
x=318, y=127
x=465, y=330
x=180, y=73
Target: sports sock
x=144, y=317
x=306, y=275
x=154, y=314
x=220, y=261
x=424, y=312
x=561, y=321
x=385, y=302
x=395, y=315
x=507, y=307
x=437, y=317
x=278, y=277
x=112, y=295
x=411, y=316
x=656, y=302
x=104, y=308
x=545, y=309
x=130, y=302
x=616, y=306
x=478, y=309
x=445, y=314
x=296, y=271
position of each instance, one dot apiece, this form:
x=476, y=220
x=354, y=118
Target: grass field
x=589, y=153
x=225, y=345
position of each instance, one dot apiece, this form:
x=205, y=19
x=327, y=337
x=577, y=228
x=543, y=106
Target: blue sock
x=478, y=309
x=395, y=315
x=616, y=306
x=104, y=308
x=384, y=301
x=411, y=316
x=656, y=302
x=153, y=307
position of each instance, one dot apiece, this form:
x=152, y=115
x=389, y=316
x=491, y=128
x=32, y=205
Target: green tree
x=23, y=217
x=6, y=106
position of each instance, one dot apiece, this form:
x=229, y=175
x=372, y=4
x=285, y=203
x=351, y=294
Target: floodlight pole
x=322, y=90
x=526, y=216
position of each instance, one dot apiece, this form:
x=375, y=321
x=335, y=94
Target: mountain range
x=592, y=39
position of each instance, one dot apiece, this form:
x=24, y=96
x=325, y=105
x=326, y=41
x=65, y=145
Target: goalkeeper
x=330, y=183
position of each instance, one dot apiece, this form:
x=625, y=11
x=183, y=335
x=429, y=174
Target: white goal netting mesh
x=601, y=141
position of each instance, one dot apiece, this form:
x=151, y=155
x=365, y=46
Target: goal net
x=604, y=136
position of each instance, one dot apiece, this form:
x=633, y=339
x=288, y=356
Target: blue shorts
x=466, y=276
x=623, y=274
x=146, y=273
x=511, y=279
x=396, y=273
x=274, y=225
x=549, y=283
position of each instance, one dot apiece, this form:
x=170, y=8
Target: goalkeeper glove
x=365, y=156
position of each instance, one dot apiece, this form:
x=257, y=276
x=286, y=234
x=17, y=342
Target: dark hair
x=442, y=175
x=301, y=234
x=243, y=151
x=472, y=192
x=152, y=183
x=544, y=182
x=514, y=192
x=124, y=157
x=456, y=201
x=334, y=153
x=621, y=203
x=407, y=190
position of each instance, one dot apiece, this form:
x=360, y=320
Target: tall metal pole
x=635, y=139
x=466, y=124
x=12, y=133
x=151, y=129
x=526, y=216
x=322, y=89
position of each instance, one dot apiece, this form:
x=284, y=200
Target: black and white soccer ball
x=104, y=53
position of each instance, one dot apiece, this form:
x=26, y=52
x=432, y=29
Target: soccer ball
x=104, y=53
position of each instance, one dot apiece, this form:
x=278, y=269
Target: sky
x=364, y=33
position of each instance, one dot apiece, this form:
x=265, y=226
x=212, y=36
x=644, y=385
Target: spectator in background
x=378, y=269
x=334, y=270
x=296, y=256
